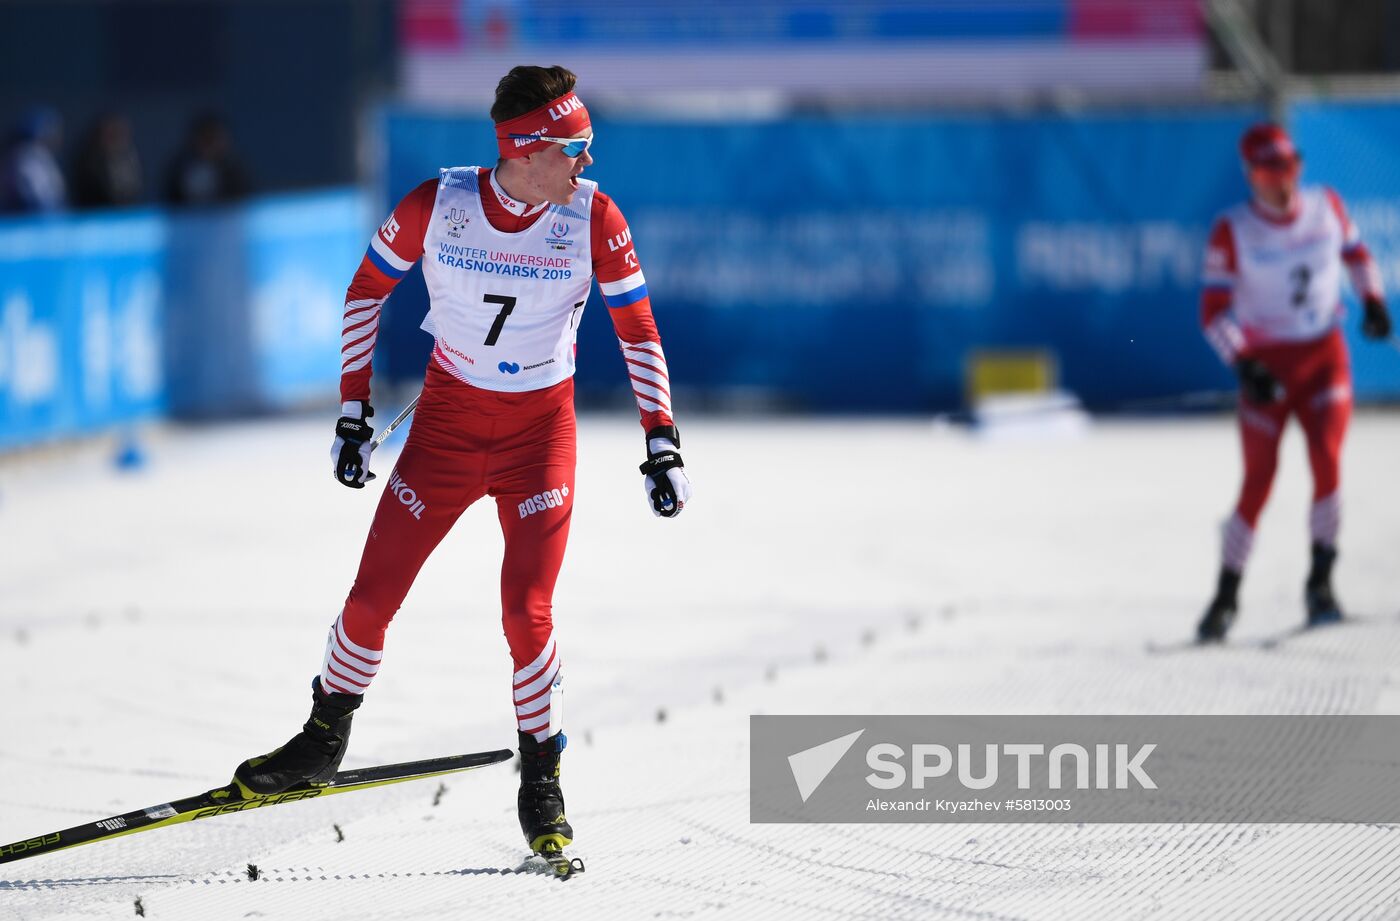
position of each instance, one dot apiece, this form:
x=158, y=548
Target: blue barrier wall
x=81, y=311
x=852, y=263
x=112, y=319
x=256, y=298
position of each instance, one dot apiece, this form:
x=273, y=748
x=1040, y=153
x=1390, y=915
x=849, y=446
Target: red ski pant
x=519, y=448
x=1316, y=378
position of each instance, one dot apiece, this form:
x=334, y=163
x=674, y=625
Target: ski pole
x=398, y=420
x=1193, y=399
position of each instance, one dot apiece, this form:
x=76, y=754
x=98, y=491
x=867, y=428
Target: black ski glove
x=1256, y=383
x=667, y=486
x=1376, y=324
x=351, y=449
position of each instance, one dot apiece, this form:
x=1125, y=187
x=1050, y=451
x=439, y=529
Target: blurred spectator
x=205, y=171
x=30, y=179
x=107, y=170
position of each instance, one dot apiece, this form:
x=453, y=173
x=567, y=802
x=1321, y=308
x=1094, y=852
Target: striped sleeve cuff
x=1225, y=336
x=651, y=380
x=358, y=334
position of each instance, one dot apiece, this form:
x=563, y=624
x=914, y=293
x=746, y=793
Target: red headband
x=564, y=117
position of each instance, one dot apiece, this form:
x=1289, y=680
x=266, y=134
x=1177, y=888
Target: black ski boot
x=1322, y=604
x=1223, y=607
x=540, y=801
x=312, y=756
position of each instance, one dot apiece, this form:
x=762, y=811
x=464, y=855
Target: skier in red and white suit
x=509, y=255
x=1271, y=309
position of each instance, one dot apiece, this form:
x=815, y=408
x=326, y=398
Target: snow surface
x=157, y=627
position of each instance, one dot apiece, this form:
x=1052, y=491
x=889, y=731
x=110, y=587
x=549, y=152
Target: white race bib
x=1289, y=282
x=505, y=307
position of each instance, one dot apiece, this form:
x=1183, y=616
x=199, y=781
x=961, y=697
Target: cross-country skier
x=1272, y=310
x=509, y=255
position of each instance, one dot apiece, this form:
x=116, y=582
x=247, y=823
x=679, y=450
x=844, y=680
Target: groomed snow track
x=158, y=626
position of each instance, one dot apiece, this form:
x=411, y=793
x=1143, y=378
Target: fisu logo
x=565, y=108
x=553, y=498
x=619, y=241
x=406, y=494
x=457, y=221
x=558, y=229
x=389, y=229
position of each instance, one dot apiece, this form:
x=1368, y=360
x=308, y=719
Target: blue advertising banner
x=1353, y=148
x=302, y=251
x=81, y=312
x=853, y=263
x=200, y=313
x=257, y=294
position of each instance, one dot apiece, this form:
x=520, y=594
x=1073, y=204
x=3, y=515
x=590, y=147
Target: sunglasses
x=572, y=146
x=1275, y=171
x=1277, y=164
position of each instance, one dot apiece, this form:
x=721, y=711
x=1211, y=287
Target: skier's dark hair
x=526, y=88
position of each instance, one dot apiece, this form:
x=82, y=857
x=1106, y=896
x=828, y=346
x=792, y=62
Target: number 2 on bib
x=507, y=305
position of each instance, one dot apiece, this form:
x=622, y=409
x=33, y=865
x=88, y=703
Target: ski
x=228, y=800
x=1266, y=643
x=1269, y=642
